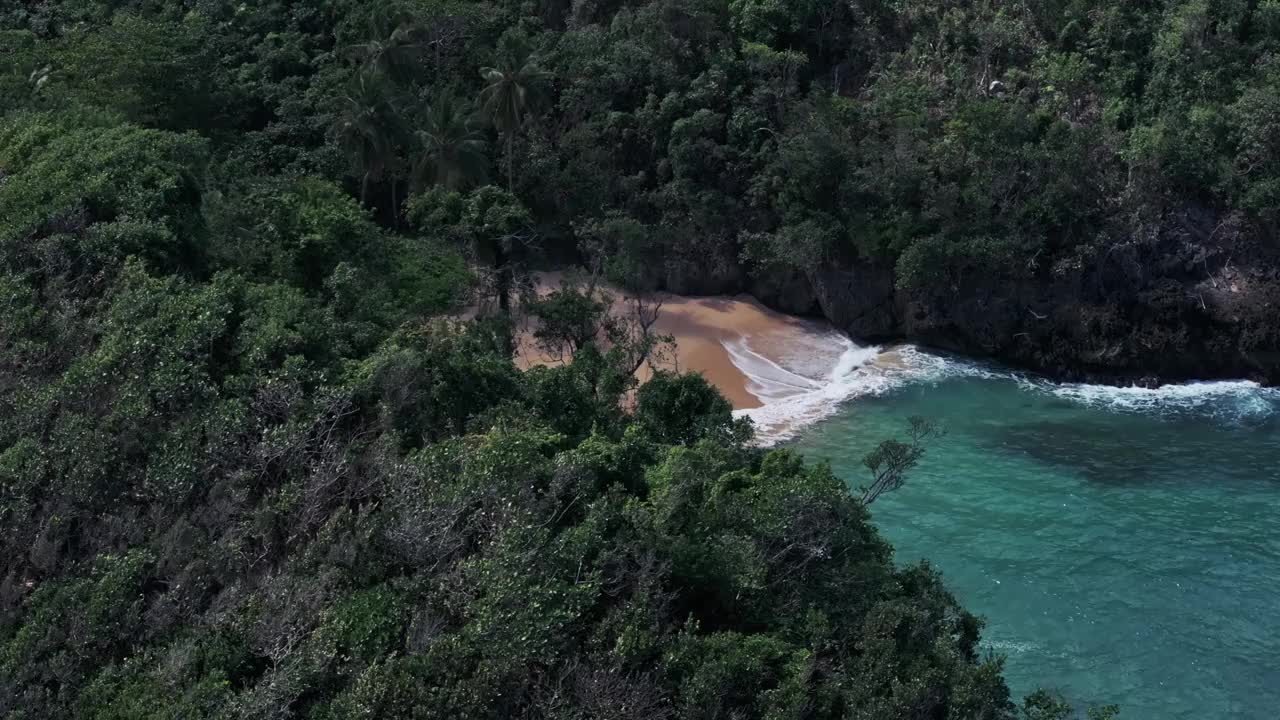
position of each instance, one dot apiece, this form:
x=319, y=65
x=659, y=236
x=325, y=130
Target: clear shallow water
x=1124, y=546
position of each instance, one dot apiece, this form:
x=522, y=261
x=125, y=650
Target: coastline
x=787, y=372
x=704, y=328
x=781, y=371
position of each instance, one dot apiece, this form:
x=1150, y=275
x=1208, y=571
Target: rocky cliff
x=1199, y=299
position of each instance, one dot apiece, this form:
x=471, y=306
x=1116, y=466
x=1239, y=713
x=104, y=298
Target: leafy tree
x=100, y=190
x=368, y=128
x=890, y=462
x=492, y=223
x=431, y=380
x=390, y=47
x=157, y=72
x=296, y=231
x=452, y=152
x=512, y=88
x=569, y=320
x=682, y=409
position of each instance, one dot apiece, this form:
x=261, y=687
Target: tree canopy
x=250, y=465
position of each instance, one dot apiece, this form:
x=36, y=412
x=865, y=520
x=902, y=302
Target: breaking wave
x=1223, y=399
x=808, y=379
x=795, y=397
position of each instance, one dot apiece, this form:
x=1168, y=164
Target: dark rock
x=859, y=299
x=784, y=289
x=1197, y=299
x=716, y=272
x=1146, y=328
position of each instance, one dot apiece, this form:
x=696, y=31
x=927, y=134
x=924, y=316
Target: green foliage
x=365, y=626
x=682, y=409
x=487, y=212
x=621, y=248
x=724, y=133
x=369, y=128
x=1042, y=705
x=99, y=188
x=297, y=231
x=491, y=224
x=423, y=530
x=453, y=152
x=568, y=320
x=431, y=380
x=247, y=471
x=154, y=71
x=761, y=675
x=513, y=87
x=314, y=236
x=936, y=263
x=1255, y=113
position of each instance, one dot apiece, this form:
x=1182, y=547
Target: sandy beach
x=704, y=329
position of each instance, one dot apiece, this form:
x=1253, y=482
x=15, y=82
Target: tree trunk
x=502, y=265
x=395, y=207
x=364, y=189
x=511, y=177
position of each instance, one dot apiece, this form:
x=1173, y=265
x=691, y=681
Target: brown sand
x=700, y=326
x=891, y=359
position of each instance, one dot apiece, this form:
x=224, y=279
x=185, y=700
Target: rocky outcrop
x=714, y=271
x=859, y=298
x=1163, y=328
x=784, y=289
x=1187, y=303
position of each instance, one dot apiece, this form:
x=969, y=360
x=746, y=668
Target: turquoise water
x=1123, y=545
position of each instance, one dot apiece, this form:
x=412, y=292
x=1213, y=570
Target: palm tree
x=368, y=126
x=512, y=87
x=453, y=151
x=391, y=44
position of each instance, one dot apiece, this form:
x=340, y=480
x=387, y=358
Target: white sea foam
x=1222, y=399
x=1010, y=647
x=808, y=379
x=766, y=379
x=815, y=374
x=792, y=400
x=924, y=366
x=1240, y=399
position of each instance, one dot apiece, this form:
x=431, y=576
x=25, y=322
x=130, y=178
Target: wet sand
x=701, y=326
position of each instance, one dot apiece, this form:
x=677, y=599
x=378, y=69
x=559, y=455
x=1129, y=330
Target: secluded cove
x=711, y=336
x=1121, y=542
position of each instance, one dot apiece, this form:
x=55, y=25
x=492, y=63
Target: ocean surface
x=1123, y=544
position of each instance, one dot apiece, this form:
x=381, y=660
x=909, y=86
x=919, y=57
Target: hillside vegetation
x=1082, y=187
x=248, y=470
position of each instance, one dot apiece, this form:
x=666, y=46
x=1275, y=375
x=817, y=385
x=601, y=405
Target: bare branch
x=893, y=459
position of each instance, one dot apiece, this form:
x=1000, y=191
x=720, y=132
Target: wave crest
x=792, y=398
x=812, y=377
x=1229, y=399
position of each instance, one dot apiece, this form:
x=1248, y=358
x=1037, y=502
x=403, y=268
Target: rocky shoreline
x=1141, y=314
